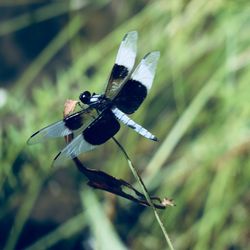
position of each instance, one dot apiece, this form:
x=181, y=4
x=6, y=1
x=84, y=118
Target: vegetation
x=198, y=107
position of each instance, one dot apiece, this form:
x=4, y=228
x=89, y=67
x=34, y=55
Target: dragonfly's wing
x=124, y=63
x=135, y=89
x=70, y=124
x=98, y=132
x=77, y=146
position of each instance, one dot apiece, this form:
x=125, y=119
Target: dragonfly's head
x=85, y=97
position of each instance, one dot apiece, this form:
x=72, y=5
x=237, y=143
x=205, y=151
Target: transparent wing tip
x=131, y=35
x=34, y=138
x=152, y=56
x=59, y=160
x=56, y=162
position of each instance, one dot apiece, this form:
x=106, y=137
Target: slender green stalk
x=145, y=191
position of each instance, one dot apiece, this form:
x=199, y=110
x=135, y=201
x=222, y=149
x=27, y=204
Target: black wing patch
x=99, y=131
x=134, y=91
x=78, y=120
x=102, y=129
x=131, y=96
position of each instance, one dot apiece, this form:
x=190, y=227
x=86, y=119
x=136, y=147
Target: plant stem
x=145, y=191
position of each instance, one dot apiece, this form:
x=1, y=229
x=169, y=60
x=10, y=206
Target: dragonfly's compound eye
x=85, y=97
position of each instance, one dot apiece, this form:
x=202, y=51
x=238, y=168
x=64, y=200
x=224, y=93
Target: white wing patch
x=74, y=148
x=127, y=50
x=145, y=71
x=54, y=130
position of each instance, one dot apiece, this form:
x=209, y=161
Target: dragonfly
x=101, y=114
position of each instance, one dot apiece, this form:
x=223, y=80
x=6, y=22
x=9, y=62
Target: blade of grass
x=44, y=13
x=23, y=213
x=66, y=230
x=56, y=44
x=103, y=231
x=182, y=126
x=67, y=33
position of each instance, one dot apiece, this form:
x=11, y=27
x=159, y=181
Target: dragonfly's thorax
x=99, y=102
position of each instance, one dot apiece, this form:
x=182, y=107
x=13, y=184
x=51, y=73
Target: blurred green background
x=198, y=107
